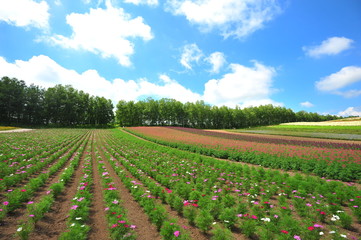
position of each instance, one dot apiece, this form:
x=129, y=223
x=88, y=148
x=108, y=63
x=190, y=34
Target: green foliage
x=59, y=105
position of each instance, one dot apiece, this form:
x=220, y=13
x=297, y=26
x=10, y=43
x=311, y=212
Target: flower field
x=109, y=184
x=336, y=160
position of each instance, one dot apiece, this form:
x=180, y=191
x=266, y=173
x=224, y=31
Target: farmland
x=109, y=184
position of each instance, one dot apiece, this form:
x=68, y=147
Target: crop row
x=259, y=203
x=342, y=164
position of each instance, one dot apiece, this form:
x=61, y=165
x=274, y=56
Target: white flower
x=226, y=221
x=335, y=218
x=266, y=219
x=78, y=218
x=332, y=232
x=214, y=223
x=343, y=235
x=72, y=225
x=19, y=229
x=321, y=233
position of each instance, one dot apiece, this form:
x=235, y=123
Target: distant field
x=305, y=128
x=3, y=128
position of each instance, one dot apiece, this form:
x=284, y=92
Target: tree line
x=59, y=105
x=170, y=112
x=66, y=106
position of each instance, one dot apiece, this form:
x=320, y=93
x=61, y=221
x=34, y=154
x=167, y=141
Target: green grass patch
x=321, y=129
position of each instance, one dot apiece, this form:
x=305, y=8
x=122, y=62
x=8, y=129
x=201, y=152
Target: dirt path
x=17, y=130
x=99, y=228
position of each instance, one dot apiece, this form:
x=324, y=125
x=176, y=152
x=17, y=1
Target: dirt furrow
x=145, y=230
x=98, y=222
x=54, y=222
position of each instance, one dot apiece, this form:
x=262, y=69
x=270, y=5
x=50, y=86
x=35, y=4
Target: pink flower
x=133, y=226
x=254, y=217
x=23, y=190
x=121, y=221
x=176, y=233
x=6, y=203
x=318, y=226
x=297, y=237
x=30, y=202
x=114, y=226
x=74, y=207
x=31, y=215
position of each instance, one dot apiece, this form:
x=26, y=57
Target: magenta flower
x=30, y=202
x=176, y=233
x=74, y=207
x=6, y=203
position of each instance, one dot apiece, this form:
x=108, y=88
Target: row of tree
x=170, y=112
x=59, y=105
x=66, y=106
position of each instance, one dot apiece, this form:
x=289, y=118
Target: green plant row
x=36, y=211
x=81, y=203
x=312, y=198
x=322, y=168
x=116, y=214
x=16, y=198
x=158, y=215
x=40, y=162
x=199, y=218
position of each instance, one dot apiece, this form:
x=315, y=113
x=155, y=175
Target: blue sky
x=300, y=54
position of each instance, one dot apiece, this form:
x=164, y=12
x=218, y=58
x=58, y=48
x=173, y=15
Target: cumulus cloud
x=190, y=54
x=25, y=13
x=351, y=111
x=232, y=17
x=143, y=2
x=217, y=60
x=306, y=104
x=345, y=77
x=43, y=71
x=330, y=46
x=105, y=32
x=244, y=86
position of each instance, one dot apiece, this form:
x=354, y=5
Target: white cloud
x=351, y=111
x=243, y=86
x=25, y=13
x=346, y=76
x=232, y=17
x=217, y=59
x=144, y=2
x=105, y=32
x=330, y=46
x=191, y=53
x=43, y=71
x=306, y=104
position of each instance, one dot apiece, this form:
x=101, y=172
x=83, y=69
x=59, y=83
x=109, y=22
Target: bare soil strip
x=98, y=222
x=145, y=229
x=54, y=222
